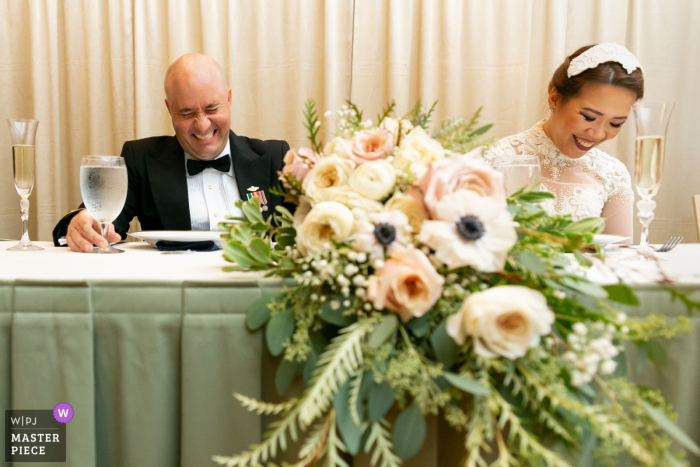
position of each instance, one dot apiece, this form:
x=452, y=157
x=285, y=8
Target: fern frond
x=342, y=358
x=311, y=446
x=265, y=408
x=354, y=397
x=527, y=441
x=268, y=448
x=335, y=446
x=476, y=441
x=380, y=442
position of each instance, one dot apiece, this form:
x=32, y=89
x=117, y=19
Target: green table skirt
x=150, y=369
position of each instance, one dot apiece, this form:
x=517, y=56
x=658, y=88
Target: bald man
x=189, y=181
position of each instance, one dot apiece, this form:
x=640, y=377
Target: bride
x=590, y=97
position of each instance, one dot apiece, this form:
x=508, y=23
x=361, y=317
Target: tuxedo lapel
x=168, y=179
x=252, y=170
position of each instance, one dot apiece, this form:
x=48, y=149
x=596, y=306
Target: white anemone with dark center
x=470, y=230
x=384, y=233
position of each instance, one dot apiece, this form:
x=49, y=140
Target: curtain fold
x=92, y=73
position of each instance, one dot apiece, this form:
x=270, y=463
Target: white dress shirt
x=212, y=195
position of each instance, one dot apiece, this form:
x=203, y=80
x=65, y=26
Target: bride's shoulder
x=509, y=146
x=612, y=171
x=607, y=163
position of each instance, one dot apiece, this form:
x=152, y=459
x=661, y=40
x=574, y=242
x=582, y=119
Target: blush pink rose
x=466, y=172
x=407, y=284
x=370, y=145
x=297, y=164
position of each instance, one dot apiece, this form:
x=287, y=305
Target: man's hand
x=84, y=232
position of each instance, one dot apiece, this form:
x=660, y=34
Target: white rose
x=503, y=321
x=358, y=204
x=416, y=151
x=327, y=220
x=374, y=180
x=392, y=125
x=410, y=204
x=301, y=211
x=328, y=172
x=336, y=147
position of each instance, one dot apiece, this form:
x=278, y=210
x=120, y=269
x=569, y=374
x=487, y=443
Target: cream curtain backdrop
x=91, y=72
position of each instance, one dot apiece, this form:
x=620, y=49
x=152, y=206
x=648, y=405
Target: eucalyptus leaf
x=238, y=254
x=386, y=327
x=591, y=224
x=242, y=233
x=536, y=196
x=672, y=461
x=480, y=131
x=350, y=432
x=335, y=317
x=258, y=312
x=642, y=356
x=278, y=330
x=587, y=390
x=445, y=348
x=409, y=432
x=285, y=375
x=309, y=368
x=381, y=398
x=471, y=386
x=657, y=353
x=284, y=211
x=620, y=293
x=251, y=209
x=671, y=428
x=419, y=327
x=532, y=262
x=585, y=287
x=259, y=249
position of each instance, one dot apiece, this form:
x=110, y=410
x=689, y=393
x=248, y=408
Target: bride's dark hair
x=610, y=73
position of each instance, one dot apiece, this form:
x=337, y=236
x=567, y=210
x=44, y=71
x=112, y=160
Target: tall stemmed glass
x=103, y=185
x=22, y=134
x=649, y=155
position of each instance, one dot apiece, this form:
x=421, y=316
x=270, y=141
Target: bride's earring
x=550, y=111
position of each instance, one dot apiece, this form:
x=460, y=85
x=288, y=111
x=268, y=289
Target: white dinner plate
x=604, y=240
x=153, y=236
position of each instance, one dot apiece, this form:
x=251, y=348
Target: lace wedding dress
x=594, y=185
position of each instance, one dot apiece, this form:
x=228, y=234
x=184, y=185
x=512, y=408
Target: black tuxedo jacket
x=157, y=192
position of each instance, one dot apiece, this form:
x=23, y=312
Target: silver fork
x=669, y=245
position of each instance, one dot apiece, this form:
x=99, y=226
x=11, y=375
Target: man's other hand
x=84, y=232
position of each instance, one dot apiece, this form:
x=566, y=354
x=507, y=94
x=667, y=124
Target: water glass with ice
x=103, y=185
x=518, y=172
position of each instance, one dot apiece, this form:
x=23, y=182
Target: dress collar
x=537, y=142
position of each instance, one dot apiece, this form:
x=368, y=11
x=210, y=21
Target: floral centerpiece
x=420, y=289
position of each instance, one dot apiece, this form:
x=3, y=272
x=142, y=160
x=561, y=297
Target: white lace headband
x=602, y=53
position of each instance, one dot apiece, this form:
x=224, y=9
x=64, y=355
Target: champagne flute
x=23, y=134
x=103, y=186
x=518, y=172
x=649, y=155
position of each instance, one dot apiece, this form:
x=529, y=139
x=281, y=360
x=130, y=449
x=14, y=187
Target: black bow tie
x=222, y=164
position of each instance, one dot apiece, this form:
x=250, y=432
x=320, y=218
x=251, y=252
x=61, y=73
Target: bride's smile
x=580, y=123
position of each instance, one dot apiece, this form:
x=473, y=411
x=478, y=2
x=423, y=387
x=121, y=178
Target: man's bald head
x=199, y=102
x=193, y=67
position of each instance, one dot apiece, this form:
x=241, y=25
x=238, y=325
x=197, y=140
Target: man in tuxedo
x=189, y=181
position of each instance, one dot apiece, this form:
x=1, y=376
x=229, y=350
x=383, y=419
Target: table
x=148, y=349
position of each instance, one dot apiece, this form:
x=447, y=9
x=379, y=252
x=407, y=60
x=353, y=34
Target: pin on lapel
x=260, y=194
x=253, y=188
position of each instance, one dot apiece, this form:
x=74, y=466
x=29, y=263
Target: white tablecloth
x=142, y=262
